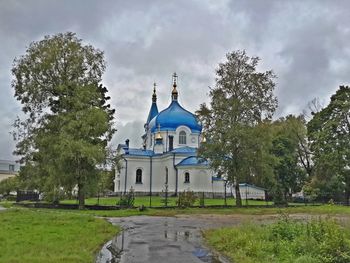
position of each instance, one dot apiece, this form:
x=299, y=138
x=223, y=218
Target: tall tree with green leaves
x=290, y=166
x=67, y=121
x=329, y=134
x=241, y=100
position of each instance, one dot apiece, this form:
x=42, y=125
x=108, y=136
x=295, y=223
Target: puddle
x=156, y=239
x=176, y=236
x=206, y=256
x=112, y=250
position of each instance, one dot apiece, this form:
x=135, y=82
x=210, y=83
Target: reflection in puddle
x=112, y=250
x=177, y=235
x=151, y=239
x=206, y=256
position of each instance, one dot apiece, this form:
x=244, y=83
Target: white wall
x=200, y=177
x=251, y=192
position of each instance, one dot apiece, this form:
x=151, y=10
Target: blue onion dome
x=174, y=116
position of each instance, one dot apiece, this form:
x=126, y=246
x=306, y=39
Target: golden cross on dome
x=154, y=96
x=175, y=79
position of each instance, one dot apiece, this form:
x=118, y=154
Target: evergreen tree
x=329, y=134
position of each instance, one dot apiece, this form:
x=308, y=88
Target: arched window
x=187, y=177
x=182, y=137
x=139, y=176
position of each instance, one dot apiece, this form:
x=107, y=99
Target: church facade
x=168, y=160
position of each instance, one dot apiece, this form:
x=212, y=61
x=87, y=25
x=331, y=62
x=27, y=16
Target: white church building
x=168, y=158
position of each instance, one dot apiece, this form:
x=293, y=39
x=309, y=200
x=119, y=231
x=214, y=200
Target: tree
x=329, y=134
x=241, y=100
x=67, y=122
x=9, y=185
x=287, y=144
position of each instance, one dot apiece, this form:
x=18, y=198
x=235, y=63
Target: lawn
x=28, y=235
x=312, y=210
x=46, y=235
x=285, y=241
x=157, y=201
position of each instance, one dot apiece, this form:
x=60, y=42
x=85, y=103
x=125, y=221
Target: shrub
x=127, y=200
x=186, y=199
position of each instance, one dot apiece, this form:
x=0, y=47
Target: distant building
x=249, y=191
x=8, y=169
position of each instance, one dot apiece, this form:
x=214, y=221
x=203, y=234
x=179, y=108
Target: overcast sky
x=306, y=43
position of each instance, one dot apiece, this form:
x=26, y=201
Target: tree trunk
x=81, y=196
x=238, y=195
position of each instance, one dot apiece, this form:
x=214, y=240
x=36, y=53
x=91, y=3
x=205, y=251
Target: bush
x=127, y=200
x=186, y=199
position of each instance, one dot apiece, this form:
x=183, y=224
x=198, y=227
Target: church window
x=139, y=176
x=182, y=137
x=187, y=177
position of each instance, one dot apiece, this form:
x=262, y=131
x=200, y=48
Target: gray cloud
x=304, y=42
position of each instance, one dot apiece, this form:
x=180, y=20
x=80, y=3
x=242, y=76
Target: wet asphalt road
x=160, y=239
x=173, y=239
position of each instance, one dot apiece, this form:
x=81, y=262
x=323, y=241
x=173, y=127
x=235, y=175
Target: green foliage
x=310, y=192
x=329, y=133
x=290, y=174
x=105, y=181
x=127, y=200
x=202, y=200
x=54, y=195
x=287, y=240
x=165, y=195
x=8, y=185
x=68, y=123
x=233, y=124
x=186, y=199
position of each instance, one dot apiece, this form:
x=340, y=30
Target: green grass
x=46, y=235
x=285, y=241
x=31, y=235
x=312, y=210
x=157, y=201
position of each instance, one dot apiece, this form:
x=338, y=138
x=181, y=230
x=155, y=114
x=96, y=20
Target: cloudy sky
x=306, y=43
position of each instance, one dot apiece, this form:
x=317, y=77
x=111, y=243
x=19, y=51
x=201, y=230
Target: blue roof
x=143, y=152
x=214, y=178
x=173, y=117
x=193, y=161
x=185, y=149
x=139, y=152
x=152, y=112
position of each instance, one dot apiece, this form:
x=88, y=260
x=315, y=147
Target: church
x=168, y=160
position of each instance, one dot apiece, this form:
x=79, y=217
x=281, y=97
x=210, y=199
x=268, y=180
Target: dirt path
x=175, y=239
